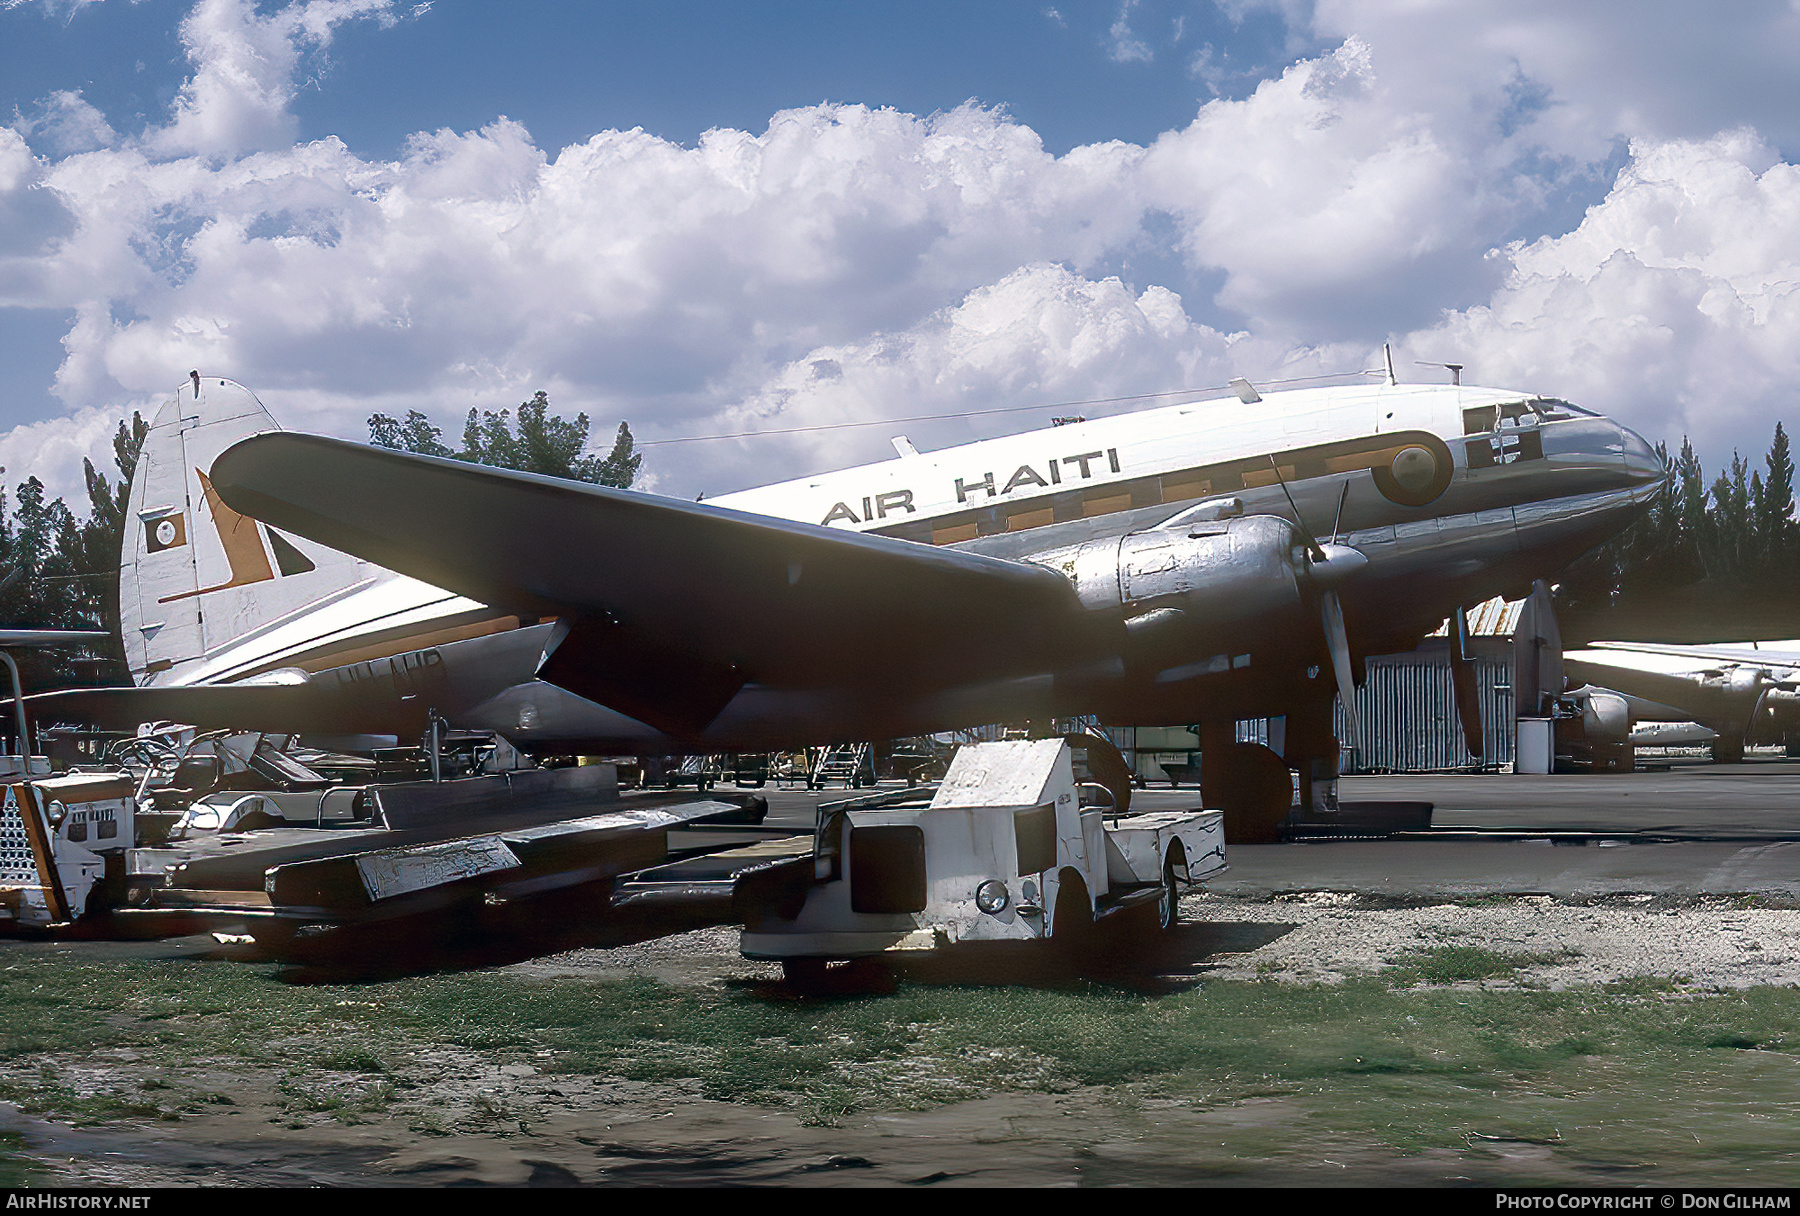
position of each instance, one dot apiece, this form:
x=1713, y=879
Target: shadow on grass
x=1138, y=960
x=480, y=937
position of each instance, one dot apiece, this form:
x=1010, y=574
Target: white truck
x=1003, y=850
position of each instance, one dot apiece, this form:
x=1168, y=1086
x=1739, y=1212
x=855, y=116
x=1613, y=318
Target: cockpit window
x=1478, y=421
x=1481, y=419
x=1552, y=409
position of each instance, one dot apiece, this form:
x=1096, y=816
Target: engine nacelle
x=1606, y=719
x=1734, y=693
x=1204, y=597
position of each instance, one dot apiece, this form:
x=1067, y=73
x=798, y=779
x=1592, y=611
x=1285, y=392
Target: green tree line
x=58, y=572
x=1714, y=559
x=542, y=442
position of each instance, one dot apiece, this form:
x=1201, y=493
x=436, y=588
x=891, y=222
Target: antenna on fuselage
x=1455, y=369
x=1246, y=391
x=1387, y=357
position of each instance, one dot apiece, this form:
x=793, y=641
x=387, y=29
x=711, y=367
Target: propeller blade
x=1462, y=680
x=1331, y=609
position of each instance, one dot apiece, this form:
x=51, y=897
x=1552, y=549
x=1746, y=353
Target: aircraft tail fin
x=196, y=577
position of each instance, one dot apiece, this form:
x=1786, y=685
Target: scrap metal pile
x=169, y=832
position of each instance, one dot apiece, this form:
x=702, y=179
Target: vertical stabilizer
x=195, y=576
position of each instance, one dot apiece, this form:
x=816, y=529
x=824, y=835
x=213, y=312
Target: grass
x=1414, y=1058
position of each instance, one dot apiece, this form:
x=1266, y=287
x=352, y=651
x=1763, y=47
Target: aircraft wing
x=242, y=706
x=52, y=637
x=669, y=606
x=1774, y=654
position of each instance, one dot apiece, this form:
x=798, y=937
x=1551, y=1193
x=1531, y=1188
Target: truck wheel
x=1168, y=908
x=1072, y=927
x=804, y=974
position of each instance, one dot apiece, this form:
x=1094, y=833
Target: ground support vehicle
x=1001, y=850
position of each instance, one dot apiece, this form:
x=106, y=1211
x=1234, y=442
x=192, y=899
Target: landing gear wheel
x=1250, y=783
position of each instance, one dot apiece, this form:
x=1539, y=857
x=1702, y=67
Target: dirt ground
x=489, y=1123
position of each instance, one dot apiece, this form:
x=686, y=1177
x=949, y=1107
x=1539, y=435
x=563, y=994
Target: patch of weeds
x=356, y=1059
x=79, y=1109
x=17, y=1169
x=306, y=1099
x=1465, y=964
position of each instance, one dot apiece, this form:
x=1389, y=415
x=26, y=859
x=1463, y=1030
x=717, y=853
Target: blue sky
x=568, y=69
x=842, y=212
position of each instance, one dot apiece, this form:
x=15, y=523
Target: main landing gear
x=1252, y=784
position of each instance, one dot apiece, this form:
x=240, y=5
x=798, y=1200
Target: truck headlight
x=991, y=897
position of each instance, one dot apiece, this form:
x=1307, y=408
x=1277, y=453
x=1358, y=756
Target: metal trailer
x=1002, y=851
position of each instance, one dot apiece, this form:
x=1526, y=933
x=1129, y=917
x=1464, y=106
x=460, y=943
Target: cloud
x=1125, y=46
x=245, y=72
x=1655, y=69
x=1316, y=186
x=52, y=450
x=1674, y=305
x=1042, y=334
x=66, y=9
x=848, y=262
x=64, y=122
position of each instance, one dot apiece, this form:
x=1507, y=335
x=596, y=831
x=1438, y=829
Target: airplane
x=1198, y=563
x=1744, y=692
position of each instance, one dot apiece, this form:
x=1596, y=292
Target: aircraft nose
x=1640, y=459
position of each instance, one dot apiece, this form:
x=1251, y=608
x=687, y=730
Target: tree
x=620, y=468
x=416, y=434
x=541, y=442
x=1775, y=506
x=60, y=573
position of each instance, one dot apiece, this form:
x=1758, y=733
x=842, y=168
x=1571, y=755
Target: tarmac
x=1678, y=830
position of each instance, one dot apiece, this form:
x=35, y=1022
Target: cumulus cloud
x=245, y=72
x=1647, y=69
x=53, y=450
x=64, y=122
x=850, y=263
x=1316, y=191
x=1039, y=336
x=1674, y=305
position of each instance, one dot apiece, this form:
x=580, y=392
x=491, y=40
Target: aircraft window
x=1555, y=410
x=1516, y=413
x=1479, y=420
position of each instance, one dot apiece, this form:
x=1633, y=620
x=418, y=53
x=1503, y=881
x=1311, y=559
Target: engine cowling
x=1606, y=719
x=1205, y=597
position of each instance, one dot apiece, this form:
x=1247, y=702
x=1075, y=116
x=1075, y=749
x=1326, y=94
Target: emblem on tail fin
x=167, y=530
x=243, y=545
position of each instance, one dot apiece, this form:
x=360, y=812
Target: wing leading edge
x=667, y=607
